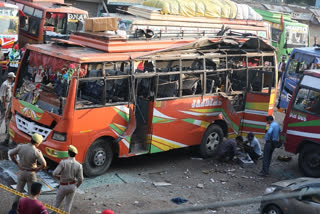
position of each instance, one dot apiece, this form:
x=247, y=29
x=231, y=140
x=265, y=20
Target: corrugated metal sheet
x=315, y=11
x=302, y=16
x=278, y=8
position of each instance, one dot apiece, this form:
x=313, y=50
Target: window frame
x=296, y=95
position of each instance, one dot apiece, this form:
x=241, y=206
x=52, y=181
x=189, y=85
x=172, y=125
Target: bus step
x=138, y=148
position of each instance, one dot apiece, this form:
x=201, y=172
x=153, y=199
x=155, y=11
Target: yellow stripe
x=161, y=146
x=122, y=128
x=23, y=195
x=164, y=143
x=204, y=124
x=259, y=106
x=86, y=131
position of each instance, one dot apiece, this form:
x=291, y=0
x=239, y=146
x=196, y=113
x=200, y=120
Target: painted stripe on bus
x=257, y=106
x=303, y=134
x=254, y=122
x=200, y=123
x=263, y=113
x=161, y=139
x=306, y=123
x=159, y=114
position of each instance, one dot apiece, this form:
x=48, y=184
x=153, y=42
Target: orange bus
x=125, y=104
x=42, y=20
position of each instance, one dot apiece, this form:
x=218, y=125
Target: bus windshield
x=44, y=81
x=296, y=36
x=65, y=23
x=8, y=20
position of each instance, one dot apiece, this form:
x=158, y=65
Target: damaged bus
x=131, y=103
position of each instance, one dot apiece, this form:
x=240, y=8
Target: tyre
x=272, y=209
x=309, y=160
x=211, y=139
x=98, y=158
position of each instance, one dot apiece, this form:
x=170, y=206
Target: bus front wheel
x=309, y=160
x=98, y=158
x=211, y=139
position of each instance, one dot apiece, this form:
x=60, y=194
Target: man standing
x=14, y=59
x=69, y=172
x=30, y=204
x=271, y=137
x=29, y=155
x=228, y=149
x=5, y=98
x=253, y=148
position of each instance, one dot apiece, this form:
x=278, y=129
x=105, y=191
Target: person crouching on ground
x=252, y=148
x=228, y=149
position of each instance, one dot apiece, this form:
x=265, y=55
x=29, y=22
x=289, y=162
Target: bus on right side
x=301, y=133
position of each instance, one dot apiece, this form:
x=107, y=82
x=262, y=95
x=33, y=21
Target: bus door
x=257, y=102
x=143, y=99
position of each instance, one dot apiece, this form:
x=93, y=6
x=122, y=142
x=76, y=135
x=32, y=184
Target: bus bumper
x=47, y=147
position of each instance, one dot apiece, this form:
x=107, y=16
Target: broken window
x=168, y=86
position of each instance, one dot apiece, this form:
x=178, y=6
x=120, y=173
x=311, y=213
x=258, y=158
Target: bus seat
x=189, y=86
x=168, y=89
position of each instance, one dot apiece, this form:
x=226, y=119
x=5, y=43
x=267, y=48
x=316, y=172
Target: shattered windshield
x=44, y=80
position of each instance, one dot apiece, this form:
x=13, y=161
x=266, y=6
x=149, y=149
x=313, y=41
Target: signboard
x=73, y=17
x=8, y=12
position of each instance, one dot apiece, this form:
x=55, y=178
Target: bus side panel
x=182, y=122
x=90, y=124
x=256, y=110
x=300, y=126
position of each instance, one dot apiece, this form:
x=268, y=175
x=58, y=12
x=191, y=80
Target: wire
x=247, y=201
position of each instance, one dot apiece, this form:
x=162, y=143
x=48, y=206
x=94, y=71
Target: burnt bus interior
x=228, y=69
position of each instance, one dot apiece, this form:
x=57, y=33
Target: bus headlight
x=59, y=136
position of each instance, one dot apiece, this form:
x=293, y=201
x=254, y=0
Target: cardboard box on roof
x=99, y=24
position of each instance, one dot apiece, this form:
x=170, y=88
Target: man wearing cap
x=5, y=99
x=29, y=155
x=70, y=174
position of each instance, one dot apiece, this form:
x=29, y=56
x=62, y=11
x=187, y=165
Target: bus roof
x=80, y=54
x=52, y=7
x=2, y=4
x=313, y=51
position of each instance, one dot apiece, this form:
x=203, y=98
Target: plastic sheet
x=205, y=8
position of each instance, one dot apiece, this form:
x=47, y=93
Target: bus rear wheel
x=98, y=158
x=211, y=139
x=309, y=160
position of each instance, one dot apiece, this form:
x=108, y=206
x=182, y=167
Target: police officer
x=29, y=155
x=5, y=98
x=70, y=174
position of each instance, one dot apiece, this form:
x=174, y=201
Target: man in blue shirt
x=271, y=137
x=253, y=148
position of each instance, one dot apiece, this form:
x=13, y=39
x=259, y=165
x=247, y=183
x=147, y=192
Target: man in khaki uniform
x=69, y=172
x=29, y=155
x=5, y=99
